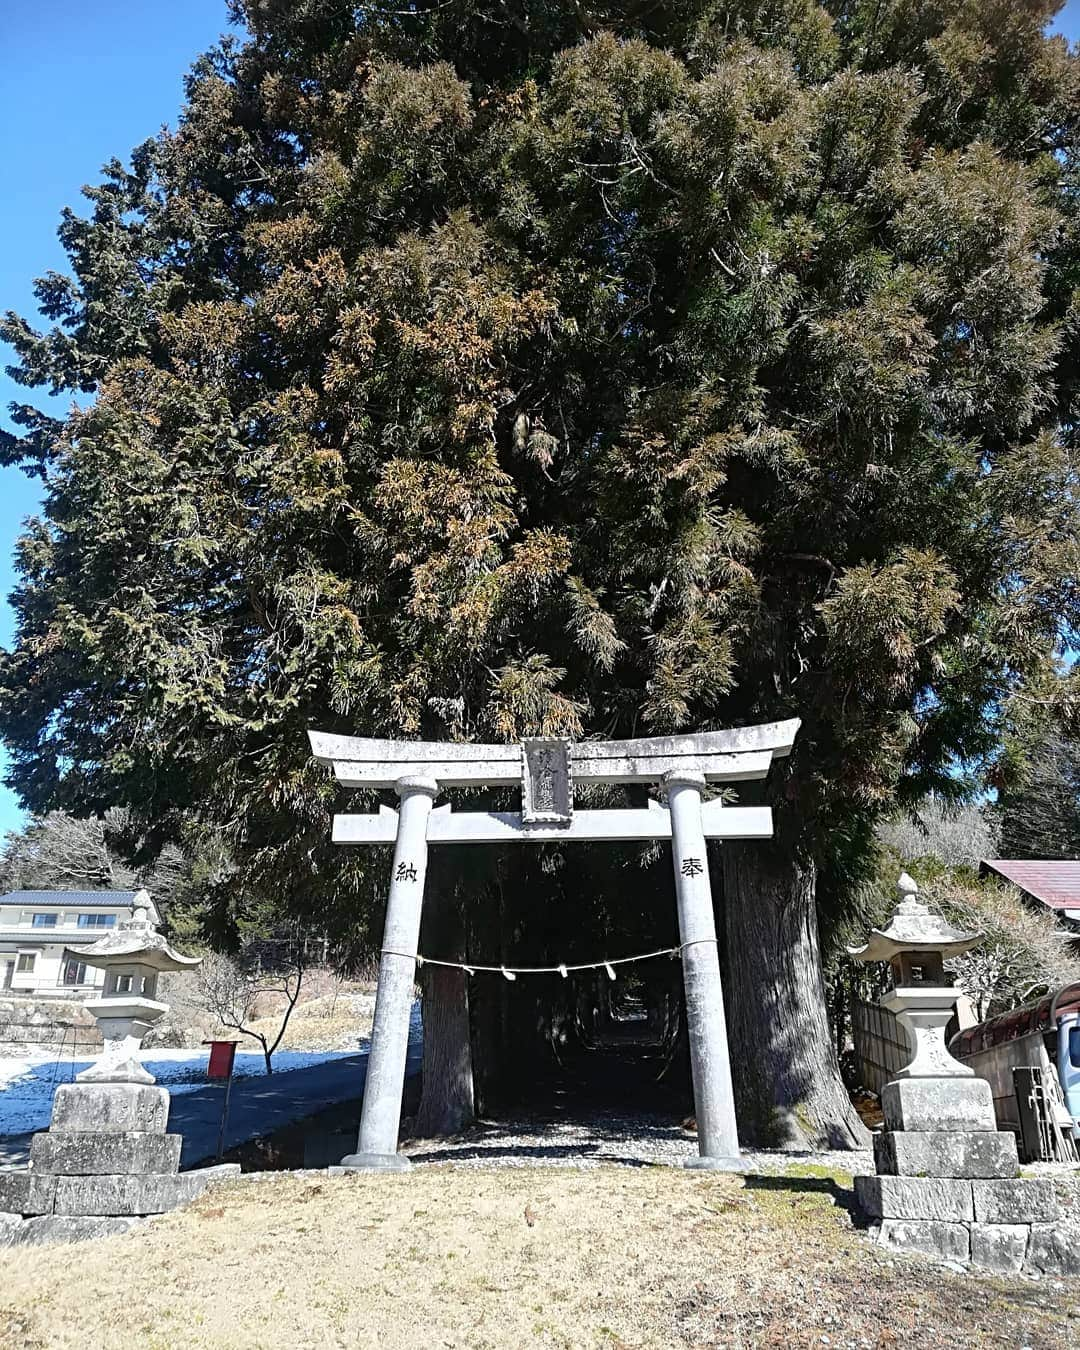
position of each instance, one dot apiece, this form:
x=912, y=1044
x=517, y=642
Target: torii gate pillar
x=710, y=1062
x=380, y=1116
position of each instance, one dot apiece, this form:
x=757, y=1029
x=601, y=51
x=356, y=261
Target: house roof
x=1055, y=882
x=84, y=899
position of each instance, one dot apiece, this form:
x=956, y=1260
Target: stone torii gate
x=546, y=771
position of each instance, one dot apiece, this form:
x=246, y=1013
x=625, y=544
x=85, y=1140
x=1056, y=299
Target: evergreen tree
x=1040, y=817
x=479, y=371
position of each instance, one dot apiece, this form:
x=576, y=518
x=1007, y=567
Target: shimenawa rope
x=564, y=969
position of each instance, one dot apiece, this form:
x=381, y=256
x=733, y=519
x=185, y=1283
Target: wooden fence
x=881, y=1044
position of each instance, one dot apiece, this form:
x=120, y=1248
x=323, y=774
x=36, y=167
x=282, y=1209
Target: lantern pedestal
x=924, y=1012
x=105, y=1162
x=123, y=1023
x=949, y=1103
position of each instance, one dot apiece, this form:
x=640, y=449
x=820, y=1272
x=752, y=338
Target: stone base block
x=105, y=1154
x=940, y=1153
x=135, y=1195
x=61, y=1228
x=714, y=1163
x=938, y=1104
x=26, y=1193
x=915, y=1198
x=109, y=1108
x=1022, y=1200
x=10, y=1226
x=947, y=1241
x=1054, y=1249
x=1000, y=1247
x=373, y=1162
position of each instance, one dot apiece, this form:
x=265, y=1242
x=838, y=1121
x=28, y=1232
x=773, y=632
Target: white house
x=36, y=927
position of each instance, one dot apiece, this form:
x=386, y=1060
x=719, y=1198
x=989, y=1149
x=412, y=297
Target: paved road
x=15, y=1150
x=258, y=1105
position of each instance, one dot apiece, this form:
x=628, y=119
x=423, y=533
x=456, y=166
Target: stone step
x=1001, y=1247
x=932, y=1237
x=954, y=1200
x=25, y=1192
x=946, y=1153
x=1054, y=1248
x=109, y=1108
x=62, y=1228
x=1005, y=1248
x=31, y=1194
x=105, y=1154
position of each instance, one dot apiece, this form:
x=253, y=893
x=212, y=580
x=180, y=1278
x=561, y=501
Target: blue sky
x=82, y=81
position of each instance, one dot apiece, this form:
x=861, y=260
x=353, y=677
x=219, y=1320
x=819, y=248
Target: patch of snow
x=27, y=1084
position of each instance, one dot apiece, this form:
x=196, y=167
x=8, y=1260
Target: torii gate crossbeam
x=546, y=770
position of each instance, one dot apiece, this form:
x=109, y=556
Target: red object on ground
x=222, y=1054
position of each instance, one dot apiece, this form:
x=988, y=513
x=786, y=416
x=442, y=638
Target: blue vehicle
x=1043, y=1035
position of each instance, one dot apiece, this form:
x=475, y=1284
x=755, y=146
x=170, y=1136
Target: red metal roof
x=1055, y=882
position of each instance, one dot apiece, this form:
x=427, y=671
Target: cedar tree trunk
x=446, y=1098
x=788, y=1091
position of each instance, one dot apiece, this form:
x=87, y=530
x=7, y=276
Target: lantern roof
x=913, y=927
x=134, y=942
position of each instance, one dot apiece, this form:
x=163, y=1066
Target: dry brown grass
x=612, y=1257
x=329, y=1022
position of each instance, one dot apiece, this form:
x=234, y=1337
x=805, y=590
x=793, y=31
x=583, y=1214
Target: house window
x=26, y=963
x=97, y=920
x=44, y=920
x=74, y=972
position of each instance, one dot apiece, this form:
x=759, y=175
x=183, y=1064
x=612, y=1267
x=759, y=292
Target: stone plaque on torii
x=546, y=770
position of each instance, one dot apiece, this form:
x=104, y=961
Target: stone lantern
x=132, y=956
x=946, y=1178
x=107, y=1160
x=916, y=944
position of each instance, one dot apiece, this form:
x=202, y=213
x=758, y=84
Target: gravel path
x=589, y=1141
x=642, y=1140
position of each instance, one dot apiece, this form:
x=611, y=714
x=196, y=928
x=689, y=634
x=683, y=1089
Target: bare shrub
x=58, y=850
x=240, y=991
x=1023, y=954
x=958, y=836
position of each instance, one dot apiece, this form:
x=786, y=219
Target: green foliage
x=476, y=373
x=1040, y=818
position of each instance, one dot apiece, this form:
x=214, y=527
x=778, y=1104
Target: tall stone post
x=718, y=1138
x=380, y=1116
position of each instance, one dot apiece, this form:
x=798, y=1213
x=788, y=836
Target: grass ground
x=611, y=1257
